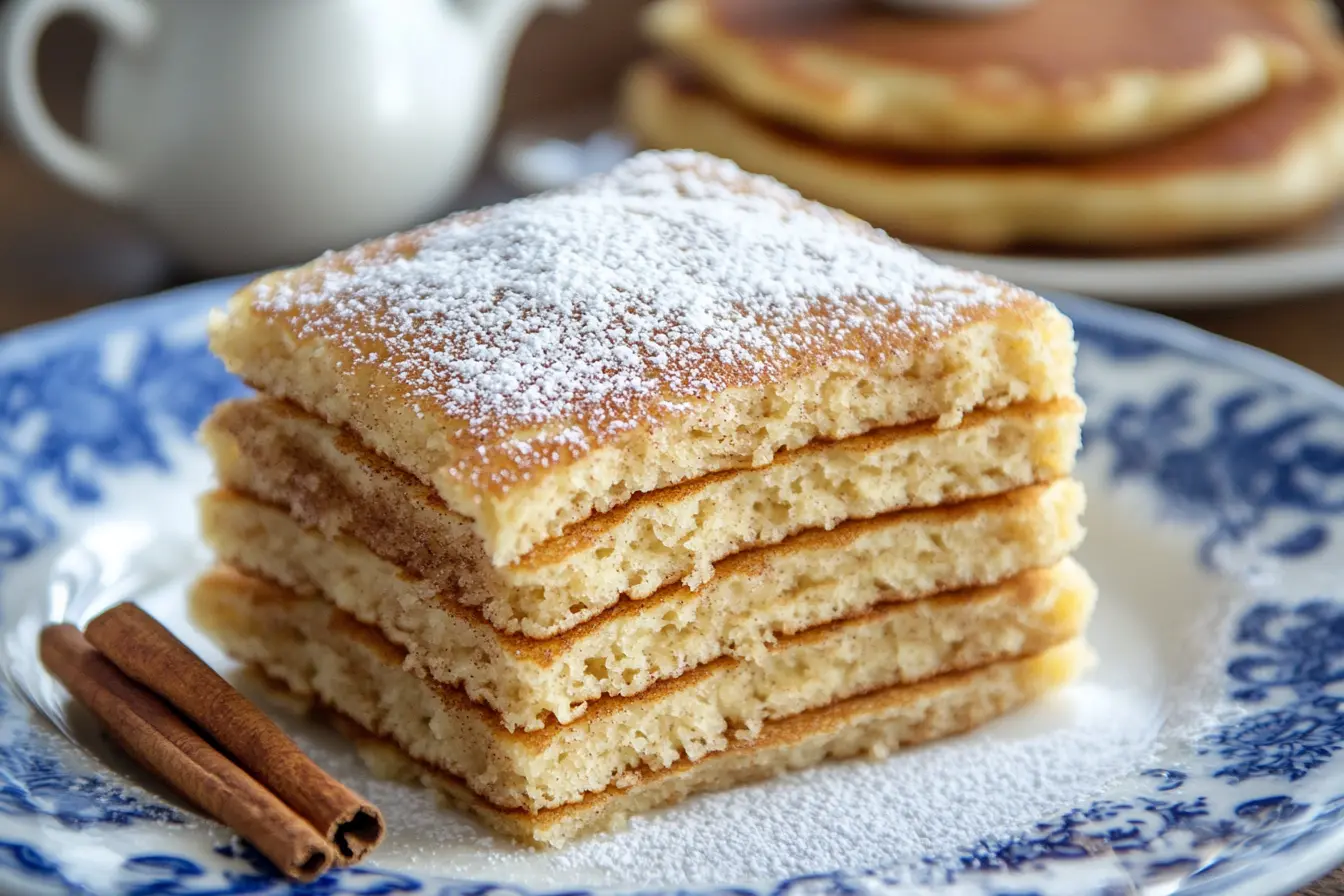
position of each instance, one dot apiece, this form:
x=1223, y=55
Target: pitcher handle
x=129, y=21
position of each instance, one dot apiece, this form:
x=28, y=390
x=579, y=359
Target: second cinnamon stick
x=146, y=651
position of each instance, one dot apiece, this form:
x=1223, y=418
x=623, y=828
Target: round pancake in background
x=1261, y=169
x=1057, y=76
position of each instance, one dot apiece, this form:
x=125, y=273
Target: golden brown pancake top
x=1048, y=41
x=1256, y=133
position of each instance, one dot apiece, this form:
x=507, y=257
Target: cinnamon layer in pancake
x=328, y=480
x=317, y=649
x=1056, y=77
x=1270, y=165
x=547, y=359
x=753, y=598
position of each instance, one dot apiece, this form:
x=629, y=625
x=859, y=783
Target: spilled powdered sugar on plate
x=925, y=801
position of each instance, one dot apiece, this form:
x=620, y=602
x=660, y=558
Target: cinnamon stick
x=164, y=743
x=150, y=654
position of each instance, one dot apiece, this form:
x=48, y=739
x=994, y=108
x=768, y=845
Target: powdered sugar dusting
x=576, y=315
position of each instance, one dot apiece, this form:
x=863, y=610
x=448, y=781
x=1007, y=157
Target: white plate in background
x=1304, y=263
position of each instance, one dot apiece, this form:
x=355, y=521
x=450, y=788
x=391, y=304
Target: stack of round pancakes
x=1106, y=125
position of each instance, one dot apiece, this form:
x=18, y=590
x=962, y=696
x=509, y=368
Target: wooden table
x=60, y=254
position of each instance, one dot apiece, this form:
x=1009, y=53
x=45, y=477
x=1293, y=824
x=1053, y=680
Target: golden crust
x=1268, y=166
x=1058, y=77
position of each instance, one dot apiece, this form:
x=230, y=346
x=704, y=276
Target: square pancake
x=315, y=648
x=546, y=359
x=327, y=479
x=753, y=599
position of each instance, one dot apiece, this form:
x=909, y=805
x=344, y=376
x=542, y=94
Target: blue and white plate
x=1200, y=755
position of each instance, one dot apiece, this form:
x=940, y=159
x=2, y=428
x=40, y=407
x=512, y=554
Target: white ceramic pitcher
x=253, y=133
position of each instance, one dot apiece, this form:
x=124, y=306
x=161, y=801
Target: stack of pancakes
x=575, y=505
x=1106, y=125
